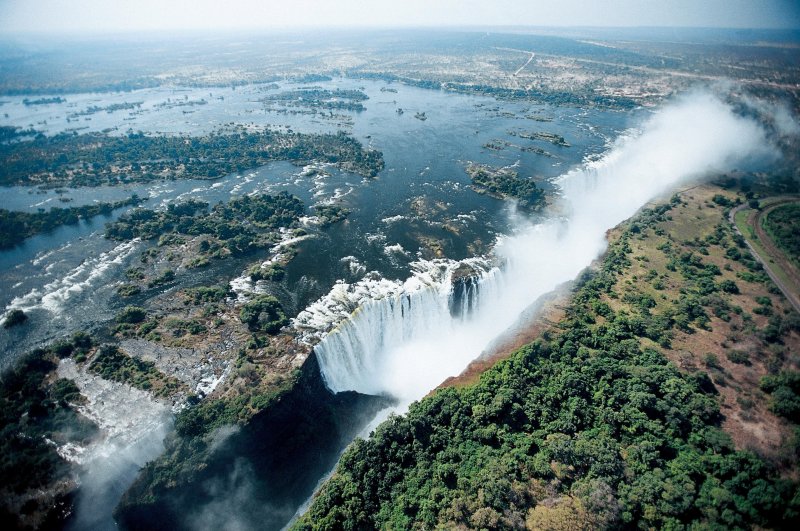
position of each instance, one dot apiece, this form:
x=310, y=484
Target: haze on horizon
x=103, y=16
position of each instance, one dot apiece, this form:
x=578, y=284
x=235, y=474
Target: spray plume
x=408, y=342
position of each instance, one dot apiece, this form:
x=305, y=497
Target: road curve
x=772, y=250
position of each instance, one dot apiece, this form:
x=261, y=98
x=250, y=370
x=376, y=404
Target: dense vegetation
x=505, y=182
x=113, y=364
x=784, y=389
x=10, y=132
x=273, y=271
x=263, y=314
x=783, y=224
x=94, y=158
x=323, y=99
x=330, y=214
x=43, y=101
x=35, y=409
x=110, y=108
x=242, y=224
x=543, y=95
x=553, y=138
x=589, y=427
x=207, y=294
x=16, y=226
x=609, y=436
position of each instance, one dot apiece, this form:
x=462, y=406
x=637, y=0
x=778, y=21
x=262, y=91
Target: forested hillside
x=620, y=416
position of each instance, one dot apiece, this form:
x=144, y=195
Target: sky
x=108, y=16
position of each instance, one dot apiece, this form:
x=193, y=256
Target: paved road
x=774, y=253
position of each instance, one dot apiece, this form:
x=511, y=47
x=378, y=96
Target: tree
x=264, y=313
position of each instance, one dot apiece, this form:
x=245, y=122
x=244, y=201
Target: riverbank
x=735, y=361
x=663, y=371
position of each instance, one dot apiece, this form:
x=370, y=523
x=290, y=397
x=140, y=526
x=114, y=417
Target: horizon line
x=128, y=32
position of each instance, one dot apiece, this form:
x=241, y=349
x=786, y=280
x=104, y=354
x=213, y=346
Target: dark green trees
x=14, y=318
x=264, y=313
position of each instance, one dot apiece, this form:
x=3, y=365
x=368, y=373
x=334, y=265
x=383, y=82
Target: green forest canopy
x=587, y=427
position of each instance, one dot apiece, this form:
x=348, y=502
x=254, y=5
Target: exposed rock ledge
x=125, y=415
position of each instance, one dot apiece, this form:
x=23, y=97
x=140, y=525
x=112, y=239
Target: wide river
x=419, y=204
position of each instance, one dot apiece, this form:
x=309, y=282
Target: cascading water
x=403, y=339
x=387, y=315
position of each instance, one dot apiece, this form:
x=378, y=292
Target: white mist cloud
x=778, y=114
x=105, y=479
x=235, y=503
x=694, y=137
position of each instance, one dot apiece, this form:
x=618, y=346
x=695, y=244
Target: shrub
x=721, y=200
x=66, y=391
x=165, y=277
x=785, y=391
x=738, y=356
x=131, y=314
x=711, y=360
x=14, y=318
x=135, y=273
x=207, y=293
x=128, y=290
x=274, y=272
x=729, y=286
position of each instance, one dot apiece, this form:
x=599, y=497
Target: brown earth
x=551, y=309
x=791, y=289
x=747, y=418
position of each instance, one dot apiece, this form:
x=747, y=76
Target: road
x=520, y=69
x=658, y=71
x=776, y=255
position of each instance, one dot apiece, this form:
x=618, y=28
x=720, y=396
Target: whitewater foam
x=44, y=255
x=55, y=295
x=375, y=315
x=404, y=338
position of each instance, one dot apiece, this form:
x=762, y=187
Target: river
x=66, y=280
x=399, y=259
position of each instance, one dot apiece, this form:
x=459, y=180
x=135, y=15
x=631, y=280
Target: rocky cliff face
x=255, y=475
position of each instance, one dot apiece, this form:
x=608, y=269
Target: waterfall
x=355, y=354
x=403, y=339
x=366, y=323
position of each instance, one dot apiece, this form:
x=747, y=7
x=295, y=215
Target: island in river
x=282, y=205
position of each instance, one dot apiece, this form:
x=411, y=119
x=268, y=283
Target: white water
x=402, y=339
x=88, y=275
x=132, y=430
x=376, y=317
